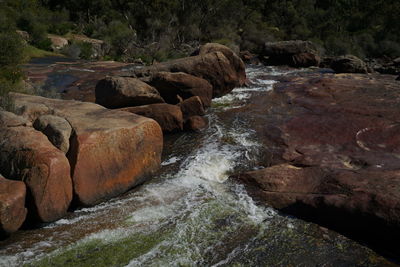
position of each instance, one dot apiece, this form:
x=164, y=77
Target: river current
x=190, y=214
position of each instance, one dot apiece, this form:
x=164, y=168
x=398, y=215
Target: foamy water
x=186, y=216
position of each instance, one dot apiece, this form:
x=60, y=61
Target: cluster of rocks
x=332, y=141
x=306, y=54
x=57, y=154
x=175, y=93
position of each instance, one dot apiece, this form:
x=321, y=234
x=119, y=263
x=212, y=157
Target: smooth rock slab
x=12, y=205
x=110, y=151
x=27, y=155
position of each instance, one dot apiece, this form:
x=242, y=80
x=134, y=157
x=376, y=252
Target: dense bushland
x=164, y=29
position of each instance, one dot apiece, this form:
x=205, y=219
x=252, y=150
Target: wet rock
x=213, y=67
x=27, y=155
x=353, y=202
x=169, y=117
x=348, y=64
x=173, y=86
x=340, y=132
x=12, y=205
x=195, y=123
x=192, y=107
x=294, y=53
x=119, y=92
x=9, y=119
x=110, y=151
x=57, y=130
x=235, y=60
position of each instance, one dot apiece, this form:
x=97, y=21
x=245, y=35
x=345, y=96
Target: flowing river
x=190, y=214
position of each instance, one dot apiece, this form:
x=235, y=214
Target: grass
x=33, y=52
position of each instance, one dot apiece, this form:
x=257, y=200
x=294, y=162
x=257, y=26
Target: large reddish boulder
x=213, y=67
x=175, y=85
x=27, y=155
x=12, y=205
x=110, y=151
x=169, y=117
x=235, y=60
x=119, y=92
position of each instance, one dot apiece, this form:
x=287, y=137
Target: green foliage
x=368, y=28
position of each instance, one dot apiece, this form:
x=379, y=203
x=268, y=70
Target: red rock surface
x=12, y=205
x=340, y=135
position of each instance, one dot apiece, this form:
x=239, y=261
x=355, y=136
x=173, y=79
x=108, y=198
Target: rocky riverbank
x=331, y=143
x=70, y=153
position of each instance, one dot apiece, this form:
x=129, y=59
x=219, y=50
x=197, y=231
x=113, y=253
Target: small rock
x=120, y=92
x=57, y=130
x=192, y=107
